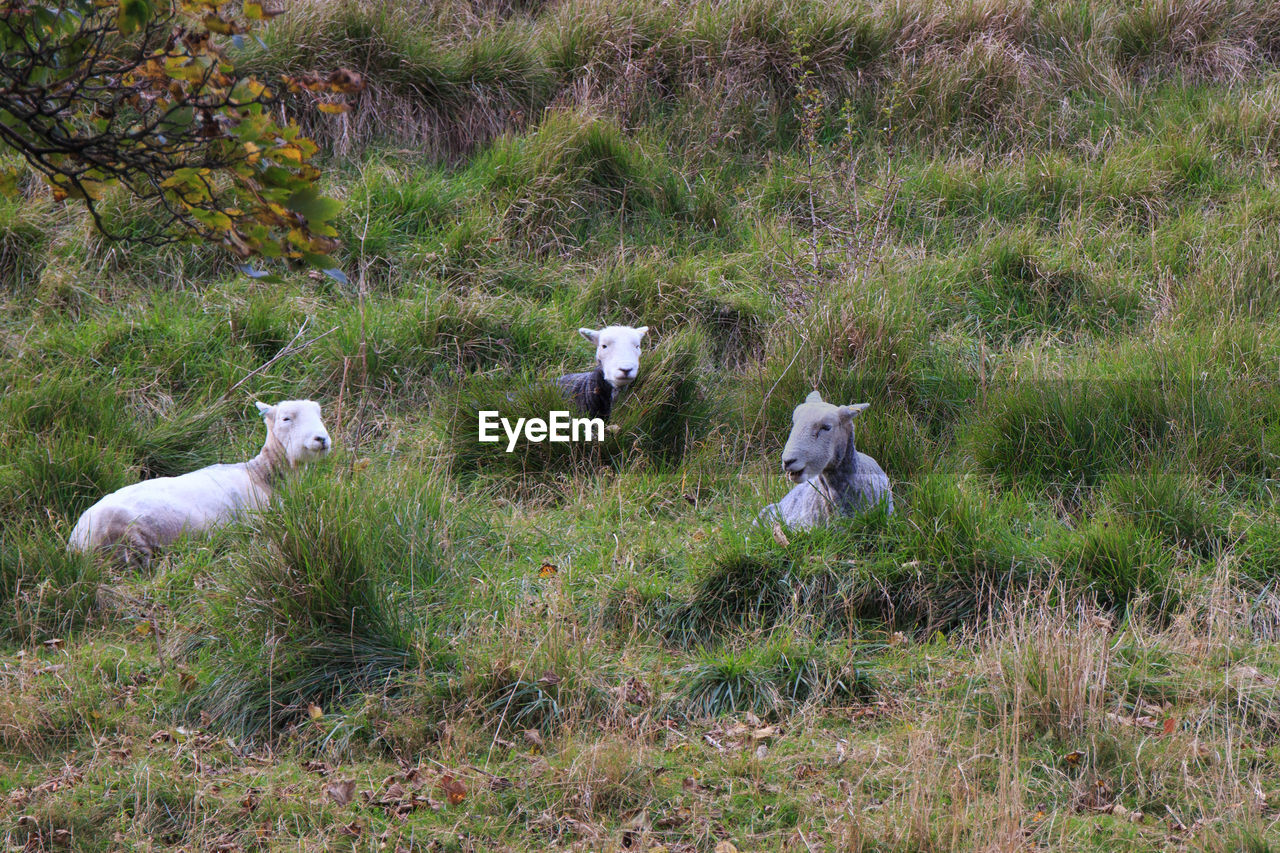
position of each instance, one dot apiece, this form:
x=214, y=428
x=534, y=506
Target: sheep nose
x=321, y=442
x=789, y=464
x=626, y=371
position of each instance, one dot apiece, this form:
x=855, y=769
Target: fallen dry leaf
x=314, y=711
x=726, y=847
x=533, y=738
x=251, y=799
x=341, y=792
x=454, y=790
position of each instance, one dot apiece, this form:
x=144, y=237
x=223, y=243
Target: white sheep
x=617, y=365
x=833, y=478
x=141, y=518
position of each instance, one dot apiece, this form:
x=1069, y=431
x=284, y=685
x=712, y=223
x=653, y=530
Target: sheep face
x=617, y=352
x=296, y=425
x=820, y=436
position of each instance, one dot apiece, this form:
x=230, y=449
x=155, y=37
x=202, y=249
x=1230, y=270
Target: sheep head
x=821, y=434
x=295, y=425
x=617, y=352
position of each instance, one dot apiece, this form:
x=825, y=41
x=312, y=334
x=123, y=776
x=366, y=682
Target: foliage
x=142, y=97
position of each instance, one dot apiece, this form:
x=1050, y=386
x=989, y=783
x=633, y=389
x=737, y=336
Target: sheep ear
x=814, y=397
x=590, y=334
x=263, y=408
x=848, y=413
x=643, y=330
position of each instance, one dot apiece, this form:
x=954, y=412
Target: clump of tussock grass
x=450, y=76
x=479, y=331
x=857, y=345
x=768, y=679
x=987, y=82
x=397, y=208
x=1022, y=289
x=182, y=439
x=311, y=614
x=45, y=592
x=443, y=75
x=740, y=590
x=1130, y=407
x=1168, y=506
x=60, y=476
x=1257, y=551
x=1120, y=564
x=936, y=563
x=557, y=182
x=600, y=778
x=544, y=669
x=1050, y=654
x=1209, y=39
x=402, y=354
x=78, y=442
x=720, y=296
x=960, y=547
x=25, y=226
x=544, y=693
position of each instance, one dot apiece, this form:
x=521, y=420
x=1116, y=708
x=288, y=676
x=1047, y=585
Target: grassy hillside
x=1039, y=238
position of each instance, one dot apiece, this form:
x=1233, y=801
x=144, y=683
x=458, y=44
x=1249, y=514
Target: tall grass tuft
x=768, y=679
x=1120, y=564
x=1168, y=506
x=312, y=614
x=45, y=592
x=575, y=172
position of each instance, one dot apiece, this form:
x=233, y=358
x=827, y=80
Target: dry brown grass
x=452, y=76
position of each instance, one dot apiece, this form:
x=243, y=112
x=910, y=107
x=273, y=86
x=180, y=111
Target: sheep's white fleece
x=140, y=518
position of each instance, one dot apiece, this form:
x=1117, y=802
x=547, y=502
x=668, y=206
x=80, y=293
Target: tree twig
x=288, y=350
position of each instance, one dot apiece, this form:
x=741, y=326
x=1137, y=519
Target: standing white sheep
x=139, y=519
x=617, y=365
x=833, y=478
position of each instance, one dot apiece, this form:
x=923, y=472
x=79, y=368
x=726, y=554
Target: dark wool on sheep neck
x=591, y=391
x=840, y=478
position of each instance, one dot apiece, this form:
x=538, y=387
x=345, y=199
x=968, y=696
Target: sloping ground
x=1041, y=241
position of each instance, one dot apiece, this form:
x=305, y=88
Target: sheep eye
x=826, y=427
x=285, y=419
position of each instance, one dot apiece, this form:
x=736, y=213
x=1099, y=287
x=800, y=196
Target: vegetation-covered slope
x=1039, y=238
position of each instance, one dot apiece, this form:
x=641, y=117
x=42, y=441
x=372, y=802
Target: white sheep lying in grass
x=833, y=478
x=139, y=519
x=617, y=365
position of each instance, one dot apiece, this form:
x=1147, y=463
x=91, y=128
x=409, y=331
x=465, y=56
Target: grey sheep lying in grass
x=138, y=520
x=617, y=365
x=833, y=479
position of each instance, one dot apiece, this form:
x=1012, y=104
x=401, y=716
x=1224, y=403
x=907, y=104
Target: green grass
x=1038, y=238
